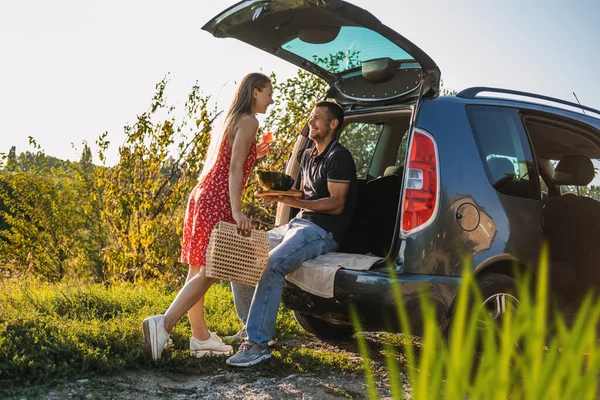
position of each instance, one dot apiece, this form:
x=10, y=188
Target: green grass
x=50, y=333
x=53, y=333
x=526, y=357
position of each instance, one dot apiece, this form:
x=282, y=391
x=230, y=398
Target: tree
x=142, y=198
x=590, y=191
x=93, y=234
x=11, y=160
x=43, y=219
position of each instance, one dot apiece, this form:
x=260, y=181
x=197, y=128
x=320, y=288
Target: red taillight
x=421, y=185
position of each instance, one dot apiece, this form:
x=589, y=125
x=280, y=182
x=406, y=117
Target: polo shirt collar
x=324, y=152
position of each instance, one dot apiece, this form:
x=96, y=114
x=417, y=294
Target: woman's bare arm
x=244, y=138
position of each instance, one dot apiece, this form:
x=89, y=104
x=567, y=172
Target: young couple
x=326, y=207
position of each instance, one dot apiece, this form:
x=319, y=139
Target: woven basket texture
x=234, y=257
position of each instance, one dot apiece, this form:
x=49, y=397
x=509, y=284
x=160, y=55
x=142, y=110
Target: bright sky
x=73, y=69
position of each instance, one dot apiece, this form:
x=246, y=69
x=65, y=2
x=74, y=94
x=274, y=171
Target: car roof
x=575, y=114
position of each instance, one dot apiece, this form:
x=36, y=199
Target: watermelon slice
x=267, y=137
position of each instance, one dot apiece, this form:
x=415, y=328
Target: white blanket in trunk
x=317, y=276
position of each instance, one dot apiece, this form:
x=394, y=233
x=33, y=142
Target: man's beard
x=320, y=135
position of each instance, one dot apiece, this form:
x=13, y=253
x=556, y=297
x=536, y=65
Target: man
x=328, y=187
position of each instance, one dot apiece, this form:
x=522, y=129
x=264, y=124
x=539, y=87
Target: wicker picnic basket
x=234, y=257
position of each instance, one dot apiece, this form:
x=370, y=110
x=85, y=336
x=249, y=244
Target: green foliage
x=40, y=207
x=125, y=221
x=527, y=356
x=142, y=198
x=50, y=331
x=108, y=223
x=94, y=235
x=55, y=331
x=361, y=139
x=592, y=191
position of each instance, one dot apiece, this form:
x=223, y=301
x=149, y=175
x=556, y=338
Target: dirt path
x=230, y=383
x=224, y=384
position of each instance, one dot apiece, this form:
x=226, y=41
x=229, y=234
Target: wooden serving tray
x=292, y=193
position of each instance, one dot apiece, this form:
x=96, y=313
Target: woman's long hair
x=242, y=103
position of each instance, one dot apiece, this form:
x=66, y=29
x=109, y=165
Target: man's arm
x=334, y=204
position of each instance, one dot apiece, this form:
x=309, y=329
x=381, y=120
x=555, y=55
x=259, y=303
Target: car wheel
x=322, y=329
x=498, y=294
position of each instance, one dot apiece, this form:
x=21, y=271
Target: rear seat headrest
x=393, y=170
x=574, y=170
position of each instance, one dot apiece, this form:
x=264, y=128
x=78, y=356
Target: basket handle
x=228, y=226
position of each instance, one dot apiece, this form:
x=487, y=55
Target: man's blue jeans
x=291, y=245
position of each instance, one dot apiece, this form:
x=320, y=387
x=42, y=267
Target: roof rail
x=471, y=93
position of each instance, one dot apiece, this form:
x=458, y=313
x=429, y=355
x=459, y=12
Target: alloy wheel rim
x=493, y=309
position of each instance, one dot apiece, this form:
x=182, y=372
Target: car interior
x=380, y=171
x=372, y=228
x=571, y=222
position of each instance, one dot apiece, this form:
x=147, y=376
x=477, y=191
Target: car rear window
x=352, y=46
x=361, y=140
x=505, y=150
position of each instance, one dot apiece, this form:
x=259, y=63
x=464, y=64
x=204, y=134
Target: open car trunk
x=378, y=143
x=365, y=62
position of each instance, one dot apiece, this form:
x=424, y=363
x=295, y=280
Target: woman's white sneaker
x=211, y=346
x=155, y=336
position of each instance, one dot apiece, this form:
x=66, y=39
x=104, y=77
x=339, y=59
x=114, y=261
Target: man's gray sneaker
x=249, y=354
x=242, y=335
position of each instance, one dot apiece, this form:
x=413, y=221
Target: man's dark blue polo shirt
x=334, y=164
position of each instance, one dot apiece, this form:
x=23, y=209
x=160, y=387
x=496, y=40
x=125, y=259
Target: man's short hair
x=335, y=112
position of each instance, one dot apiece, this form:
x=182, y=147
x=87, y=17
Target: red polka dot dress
x=209, y=204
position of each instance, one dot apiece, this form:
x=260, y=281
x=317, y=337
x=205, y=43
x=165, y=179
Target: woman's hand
x=262, y=149
x=243, y=223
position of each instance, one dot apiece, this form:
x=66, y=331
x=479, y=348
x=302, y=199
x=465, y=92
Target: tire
x=322, y=329
x=498, y=291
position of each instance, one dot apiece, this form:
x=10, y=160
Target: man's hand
x=334, y=204
x=291, y=200
x=281, y=198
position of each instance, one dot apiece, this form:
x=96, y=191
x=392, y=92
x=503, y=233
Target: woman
x=217, y=197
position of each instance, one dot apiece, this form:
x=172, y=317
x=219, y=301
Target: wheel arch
x=503, y=264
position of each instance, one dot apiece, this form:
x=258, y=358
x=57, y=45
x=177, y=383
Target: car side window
x=361, y=140
x=505, y=151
